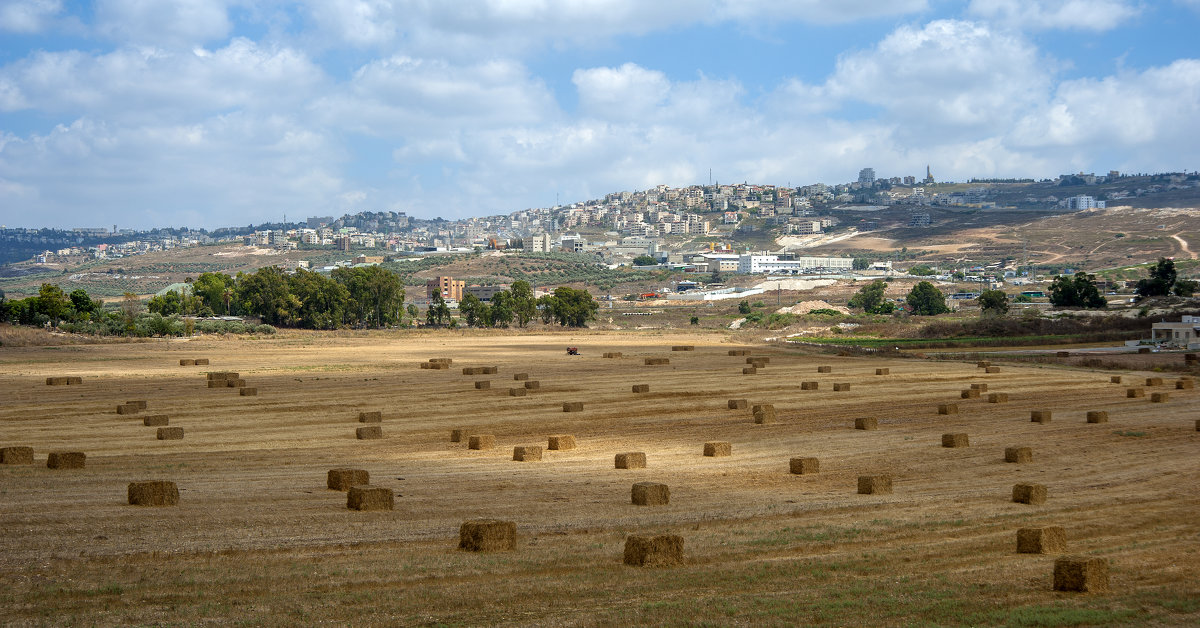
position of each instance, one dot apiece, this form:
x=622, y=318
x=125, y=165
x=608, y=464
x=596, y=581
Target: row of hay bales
x=231, y=379
x=193, y=361
x=64, y=381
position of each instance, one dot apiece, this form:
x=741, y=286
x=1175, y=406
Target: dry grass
x=764, y=546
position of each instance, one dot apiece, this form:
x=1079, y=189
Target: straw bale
x=1063, y=354
x=370, y=432
x=641, y=388
x=630, y=460
x=1081, y=574
x=481, y=442
x=992, y=369
x=981, y=387
x=969, y=393
x=763, y=359
x=519, y=392
x=955, y=440
x=764, y=413
x=572, y=406
x=16, y=455
x=457, y=435
x=650, y=494
x=187, y=362
x=657, y=361
x=1184, y=384
x=998, y=397
x=66, y=460
x=527, y=453
x=1039, y=416
x=1114, y=379
x=749, y=370
x=367, y=497
x=128, y=408
x=472, y=370
x=683, y=348
x=518, y=377
x=663, y=550
x=141, y=404
x=738, y=404
x=1097, y=416
x=214, y=376
x=483, y=384
x=342, y=479
x=235, y=383
x=1154, y=381
x=947, y=408
x=874, y=485
x=884, y=371
x=491, y=370
x=758, y=363
x=216, y=383
x=1034, y=494
x=809, y=385
x=842, y=387
x=373, y=416
x=1159, y=397
x=533, y=384
x=155, y=420
x=866, y=423
x=153, y=493
x=442, y=360
x=201, y=361
x=1132, y=393
x=739, y=352
x=1018, y=454
x=804, y=466
x=1047, y=540
x=824, y=369
x=248, y=392
x=170, y=433
x=440, y=366
x=56, y=381
x=717, y=449
x=560, y=442
x=487, y=535
x=983, y=364
x=74, y=380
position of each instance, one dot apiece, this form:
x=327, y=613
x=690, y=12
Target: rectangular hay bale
x=955, y=440
x=248, y=392
x=483, y=384
x=663, y=550
x=657, y=361
x=520, y=377
x=824, y=369
x=491, y=370
x=997, y=397
x=370, y=432
x=630, y=460
x=842, y=387
x=885, y=371
x=992, y=369
x=533, y=384
x=758, y=359
x=1133, y=393
x=737, y=404
x=717, y=449
x=481, y=442
x=1184, y=384
x=1028, y=493
x=16, y=455
x=342, y=479
x=641, y=388
x=527, y=453
x=947, y=408
x=201, y=361
x=1039, y=416
x=66, y=460
x=187, y=362
x=969, y=393
x=457, y=435
x=1114, y=379
x=1018, y=454
x=235, y=383
x=128, y=408
x=874, y=485
x=1154, y=381
x=1081, y=574
x=981, y=387
x=169, y=433
x=749, y=370
x=560, y=442
x=804, y=466
x=650, y=494
x=372, y=416
x=1159, y=397
x=487, y=535
x=155, y=420
x=683, y=348
x=739, y=352
x=809, y=385
x=1097, y=416
x=519, y=392
x=866, y=423
x=366, y=497
x=1047, y=540
x=152, y=493
x=572, y=406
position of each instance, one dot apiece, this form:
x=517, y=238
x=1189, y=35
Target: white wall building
x=751, y=264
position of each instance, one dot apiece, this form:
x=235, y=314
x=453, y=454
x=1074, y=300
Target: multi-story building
x=451, y=289
x=751, y=264
x=866, y=176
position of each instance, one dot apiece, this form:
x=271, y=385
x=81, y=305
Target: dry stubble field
x=257, y=538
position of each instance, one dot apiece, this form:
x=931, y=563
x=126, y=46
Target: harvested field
x=764, y=545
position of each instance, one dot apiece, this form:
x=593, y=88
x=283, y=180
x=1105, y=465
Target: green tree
x=869, y=297
x=131, y=305
x=166, y=304
x=546, y=305
x=501, y=309
x=645, y=260
x=438, y=313
x=573, y=308
x=1161, y=281
x=413, y=311
x=860, y=263
x=994, y=302
x=921, y=270
x=744, y=307
x=926, y=300
x=85, y=307
x=376, y=294
x=53, y=303
x=524, y=306
x=322, y=301
x=1077, y=291
x=215, y=291
x=1185, y=287
x=470, y=307
x=265, y=293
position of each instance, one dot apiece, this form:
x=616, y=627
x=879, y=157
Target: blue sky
x=209, y=113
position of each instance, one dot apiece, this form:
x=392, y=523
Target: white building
x=538, y=243
x=1083, y=202
x=751, y=264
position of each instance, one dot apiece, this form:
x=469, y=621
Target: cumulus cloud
x=177, y=22
x=627, y=92
x=28, y=16
x=1084, y=15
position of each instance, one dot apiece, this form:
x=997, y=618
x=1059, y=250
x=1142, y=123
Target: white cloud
x=358, y=22
x=818, y=11
x=627, y=92
x=161, y=22
x=1085, y=15
x=28, y=16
